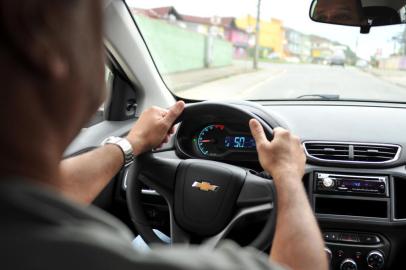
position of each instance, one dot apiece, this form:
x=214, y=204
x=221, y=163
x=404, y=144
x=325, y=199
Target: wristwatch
x=125, y=147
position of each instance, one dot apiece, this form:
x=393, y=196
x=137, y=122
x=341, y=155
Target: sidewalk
x=185, y=80
x=397, y=77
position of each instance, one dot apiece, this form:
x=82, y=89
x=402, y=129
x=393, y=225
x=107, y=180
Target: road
x=289, y=81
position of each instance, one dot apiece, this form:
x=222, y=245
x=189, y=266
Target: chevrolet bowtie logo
x=205, y=186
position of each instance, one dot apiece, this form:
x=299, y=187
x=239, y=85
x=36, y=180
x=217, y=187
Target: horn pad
x=205, y=195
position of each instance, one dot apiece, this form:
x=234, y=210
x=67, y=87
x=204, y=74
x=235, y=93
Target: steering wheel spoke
x=178, y=235
x=256, y=191
x=158, y=173
x=265, y=208
x=256, y=197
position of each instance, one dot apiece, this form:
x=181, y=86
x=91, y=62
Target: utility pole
x=404, y=41
x=257, y=29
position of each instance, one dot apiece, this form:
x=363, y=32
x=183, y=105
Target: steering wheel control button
x=348, y=264
x=375, y=260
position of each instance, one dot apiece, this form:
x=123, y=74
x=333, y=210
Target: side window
x=99, y=116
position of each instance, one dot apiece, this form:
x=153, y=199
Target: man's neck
x=40, y=165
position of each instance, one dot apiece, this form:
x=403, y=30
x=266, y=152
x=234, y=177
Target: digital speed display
x=239, y=142
x=217, y=140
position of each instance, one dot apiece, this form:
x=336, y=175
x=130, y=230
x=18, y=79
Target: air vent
x=352, y=152
x=375, y=153
x=328, y=151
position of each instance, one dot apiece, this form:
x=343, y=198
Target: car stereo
x=351, y=184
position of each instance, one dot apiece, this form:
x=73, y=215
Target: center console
x=360, y=197
x=353, y=250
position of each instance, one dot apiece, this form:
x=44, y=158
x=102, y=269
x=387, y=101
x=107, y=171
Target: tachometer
x=210, y=140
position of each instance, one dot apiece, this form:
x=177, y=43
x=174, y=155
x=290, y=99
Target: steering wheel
x=205, y=198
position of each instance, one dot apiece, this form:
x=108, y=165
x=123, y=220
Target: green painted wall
x=175, y=49
x=222, y=52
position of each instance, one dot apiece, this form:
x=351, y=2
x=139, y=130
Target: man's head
x=346, y=12
x=52, y=74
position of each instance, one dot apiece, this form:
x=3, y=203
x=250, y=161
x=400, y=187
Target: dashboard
x=362, y=215
x=355, y=176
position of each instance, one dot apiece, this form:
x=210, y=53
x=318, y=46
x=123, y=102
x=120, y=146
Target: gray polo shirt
x=41, y=230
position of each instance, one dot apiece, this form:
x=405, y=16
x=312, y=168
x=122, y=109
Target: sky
x=294, y=14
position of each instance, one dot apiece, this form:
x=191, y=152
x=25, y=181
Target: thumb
x=174, y=112
x=258, y=132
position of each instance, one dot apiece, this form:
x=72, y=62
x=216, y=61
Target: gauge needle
x=207, y=141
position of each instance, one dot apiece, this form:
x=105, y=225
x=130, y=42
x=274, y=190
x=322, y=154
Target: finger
x=171, y=131
x=258, y=132
x=278, y=131
x=174, y=112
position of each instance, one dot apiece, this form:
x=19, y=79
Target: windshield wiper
x=321, y=96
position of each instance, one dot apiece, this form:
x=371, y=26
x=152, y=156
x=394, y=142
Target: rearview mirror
x=364, y=14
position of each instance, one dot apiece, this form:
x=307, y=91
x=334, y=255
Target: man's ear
x=30, y=35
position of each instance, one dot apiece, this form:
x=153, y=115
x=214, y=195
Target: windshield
x=208, y=50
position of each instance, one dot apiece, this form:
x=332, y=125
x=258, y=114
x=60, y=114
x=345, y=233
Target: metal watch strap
x=125, y=147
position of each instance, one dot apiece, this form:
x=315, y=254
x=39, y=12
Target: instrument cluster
x=217, y=141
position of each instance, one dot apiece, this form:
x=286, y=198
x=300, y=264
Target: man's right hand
x=283, y=157
x=154, y=127
x=298, y=243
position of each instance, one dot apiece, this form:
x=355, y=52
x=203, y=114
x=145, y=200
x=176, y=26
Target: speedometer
x=210, y=140
x=218, y=141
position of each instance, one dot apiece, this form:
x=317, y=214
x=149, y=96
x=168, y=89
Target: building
x=297, y=45
x=271, y=34
x=224, y=27
x=220, y=27
x=322, y=49
x=162, y=13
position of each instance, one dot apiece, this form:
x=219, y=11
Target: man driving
x=52, y=65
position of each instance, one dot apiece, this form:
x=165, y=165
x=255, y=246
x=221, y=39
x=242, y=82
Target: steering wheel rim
x=254, y=192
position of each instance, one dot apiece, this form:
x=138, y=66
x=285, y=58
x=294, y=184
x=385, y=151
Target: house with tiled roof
x=223, y=27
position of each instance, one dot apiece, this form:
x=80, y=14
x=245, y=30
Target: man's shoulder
x=39, y=228
x=41, y=231
x=64, y=247
x=25, y=204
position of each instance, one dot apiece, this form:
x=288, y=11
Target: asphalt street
x=289, y=81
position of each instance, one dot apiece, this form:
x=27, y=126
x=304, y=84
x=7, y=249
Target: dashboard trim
x=396, y=158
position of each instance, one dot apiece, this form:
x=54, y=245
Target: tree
x=350, y=56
